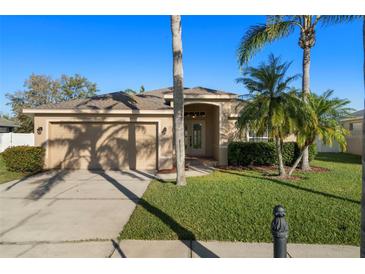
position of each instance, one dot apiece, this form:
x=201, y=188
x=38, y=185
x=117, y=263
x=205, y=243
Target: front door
x=195, y=137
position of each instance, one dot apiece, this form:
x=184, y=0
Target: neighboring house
x=135, y=131
x=7, y=125
x=354, y=125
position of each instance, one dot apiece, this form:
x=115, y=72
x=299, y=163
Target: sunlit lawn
x=237, y=206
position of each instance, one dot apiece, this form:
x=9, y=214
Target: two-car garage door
x=104, y=145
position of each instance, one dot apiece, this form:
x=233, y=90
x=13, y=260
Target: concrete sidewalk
x=215, y=249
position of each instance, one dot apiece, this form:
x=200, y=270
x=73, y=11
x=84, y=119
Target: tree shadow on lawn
x=345, y=158
x=328, y=195
x=182, y=233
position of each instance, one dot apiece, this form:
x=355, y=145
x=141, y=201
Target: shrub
x=263, y=153
x=24, y=158
x=290, y=152
x=245, y=153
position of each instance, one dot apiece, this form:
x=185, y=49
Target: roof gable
x=195, y=91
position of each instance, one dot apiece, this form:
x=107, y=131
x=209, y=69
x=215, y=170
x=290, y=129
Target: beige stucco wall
x=221, y=113
x=354, y=140
x=228, y=132
x=163, y=124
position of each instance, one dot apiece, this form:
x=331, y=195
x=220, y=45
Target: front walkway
x=67, y=214
x=195, y=167
x=215, y=249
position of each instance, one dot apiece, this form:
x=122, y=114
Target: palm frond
x=326, y=20
x=329, y=112
x=257, y=36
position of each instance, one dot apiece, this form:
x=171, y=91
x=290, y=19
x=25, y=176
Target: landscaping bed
x=236, y=205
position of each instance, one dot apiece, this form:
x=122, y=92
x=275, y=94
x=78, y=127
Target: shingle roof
x=149, y=100
x=7, y=123
x=358, y=113
x=190, y=91
x=113, y=101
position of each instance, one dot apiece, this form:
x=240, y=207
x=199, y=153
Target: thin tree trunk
x=178, y=99
x=282, y=172
x=306, y=92
x=362, y=244
x=297, y=161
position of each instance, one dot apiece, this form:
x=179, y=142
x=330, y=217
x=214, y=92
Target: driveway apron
x=67, y=213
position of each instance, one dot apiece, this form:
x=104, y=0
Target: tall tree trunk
x=362, y=244
x=178, y=100
x=306, y=92
x=278, y=143
x=297, y=162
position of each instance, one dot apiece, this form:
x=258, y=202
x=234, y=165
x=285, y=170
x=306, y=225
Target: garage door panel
x=111, y=149
x=102, y=146
x=146, y=147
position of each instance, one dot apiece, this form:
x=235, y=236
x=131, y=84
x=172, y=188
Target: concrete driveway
x=67, y=213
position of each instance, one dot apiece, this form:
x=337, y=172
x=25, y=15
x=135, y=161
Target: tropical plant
x=278, y=27
x=271, y=103
x=178, y=99
x=326, y=125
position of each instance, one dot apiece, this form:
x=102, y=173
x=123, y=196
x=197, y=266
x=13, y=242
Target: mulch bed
x=266, y=170
x=272, y=170
x=317, y=169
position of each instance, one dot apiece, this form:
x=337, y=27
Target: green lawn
x=237, y=206
x=6, y=176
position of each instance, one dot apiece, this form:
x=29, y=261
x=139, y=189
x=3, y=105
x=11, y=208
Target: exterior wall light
x=39, y=130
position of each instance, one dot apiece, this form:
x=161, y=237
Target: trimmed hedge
x=24, y=158
x=264, y=153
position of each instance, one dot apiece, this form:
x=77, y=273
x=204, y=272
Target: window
x=351, y=126
x=197, y=136
x=253, y=137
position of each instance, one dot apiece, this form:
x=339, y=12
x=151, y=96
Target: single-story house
x=7, y=125
x=134, y=131
x=354, y=125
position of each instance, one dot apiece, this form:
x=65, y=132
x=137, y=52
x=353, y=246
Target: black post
x=279, y=230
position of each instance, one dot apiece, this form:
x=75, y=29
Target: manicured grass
x=237, y=206
x=6, y=176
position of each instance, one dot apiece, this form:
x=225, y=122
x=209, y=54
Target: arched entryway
x=202, y=130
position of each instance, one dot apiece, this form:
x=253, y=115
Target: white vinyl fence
x=323, y=148
x=15, y=139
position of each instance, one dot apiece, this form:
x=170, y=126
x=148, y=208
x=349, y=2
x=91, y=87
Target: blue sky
x=119, y=52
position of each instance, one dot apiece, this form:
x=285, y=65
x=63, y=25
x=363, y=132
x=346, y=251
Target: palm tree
x=278, y=27
x=323, y=122
x=178, y=100
x=362, y=244
x=270, y=104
